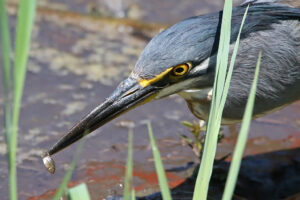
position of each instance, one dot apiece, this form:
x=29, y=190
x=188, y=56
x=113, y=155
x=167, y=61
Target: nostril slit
x=129, y=93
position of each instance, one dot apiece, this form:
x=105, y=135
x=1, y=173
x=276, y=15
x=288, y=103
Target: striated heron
x=182, y=60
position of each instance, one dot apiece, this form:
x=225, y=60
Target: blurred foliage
x=79, y=192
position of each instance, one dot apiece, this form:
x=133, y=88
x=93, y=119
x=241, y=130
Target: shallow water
x=76, y=60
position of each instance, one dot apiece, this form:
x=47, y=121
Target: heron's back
x=279, y=79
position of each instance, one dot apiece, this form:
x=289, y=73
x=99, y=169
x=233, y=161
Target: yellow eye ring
x=182, y=69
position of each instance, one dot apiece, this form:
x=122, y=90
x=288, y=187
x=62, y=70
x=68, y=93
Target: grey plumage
x=279, y=79
x=196, y=38
x=273, y=29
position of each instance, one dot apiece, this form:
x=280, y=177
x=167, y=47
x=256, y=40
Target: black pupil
x=179, y=70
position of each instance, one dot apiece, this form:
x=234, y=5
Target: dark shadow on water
x=269, y=176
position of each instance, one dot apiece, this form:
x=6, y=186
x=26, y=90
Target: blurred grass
x=133, y=194
x=163, y=183
x=64, y=183
x=129, y=166
x=79, y=192
x=220, y=91
x=26, y=14
x=6, y=69
x=242, y=139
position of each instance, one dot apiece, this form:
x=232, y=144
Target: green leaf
x=233, y=58
x=79, y=192
x=163, y=183
x=26, y=14
x=242, y=139
x=214, y=121
x=220, y=91
x=129, y=166
x=133, y=195
x=6, y=69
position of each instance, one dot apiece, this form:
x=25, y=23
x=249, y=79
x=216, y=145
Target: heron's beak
x=128, y=95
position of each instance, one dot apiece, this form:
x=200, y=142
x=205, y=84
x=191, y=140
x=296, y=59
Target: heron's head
x=174, y=60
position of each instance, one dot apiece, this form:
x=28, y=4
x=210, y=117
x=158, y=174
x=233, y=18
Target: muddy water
x=79, y=54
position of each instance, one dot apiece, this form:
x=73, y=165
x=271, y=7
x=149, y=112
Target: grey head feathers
x=196, y=39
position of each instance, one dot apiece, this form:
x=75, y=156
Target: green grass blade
x=63, y=185
x=163, y=183
x=133, y=195
x=26, y=14
x=233, y=58
x=6, y=69
x=222, y=58
x=214, y=121
x=80, y=192
x=128, y=176
x=242, y=139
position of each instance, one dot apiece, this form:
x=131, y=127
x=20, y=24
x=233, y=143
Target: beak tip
x=48, y=162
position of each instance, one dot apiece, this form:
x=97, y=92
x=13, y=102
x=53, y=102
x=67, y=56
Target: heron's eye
x=182, y=69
